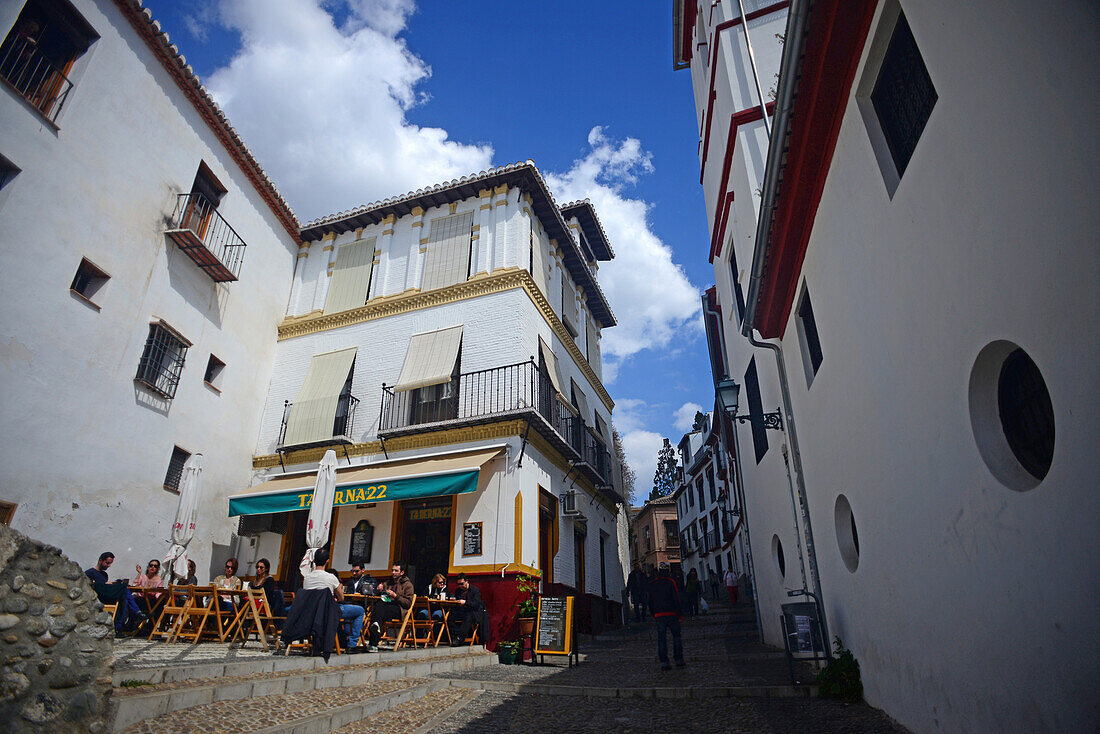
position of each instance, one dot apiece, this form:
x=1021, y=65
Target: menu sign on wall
x=362, y=538
x=471, y=539
x=554, y=626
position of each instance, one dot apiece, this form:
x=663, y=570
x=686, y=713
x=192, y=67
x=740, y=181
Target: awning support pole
x=523, y=447
x=383, y=442
x=346, y=453
x=281, y=462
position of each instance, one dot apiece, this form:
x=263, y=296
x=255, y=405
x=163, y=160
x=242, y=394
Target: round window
x=847, y=537
x=1012, y=415
x=780, y=561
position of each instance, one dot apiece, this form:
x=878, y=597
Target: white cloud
x=685, y=416
x=642, y=260
x=641, y=449
x=323, y=107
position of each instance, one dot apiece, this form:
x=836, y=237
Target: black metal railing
x=34, y=76
x=686, y=546
x=343, y=422
x=595, y=454
x=206, y=237
x=714, y=541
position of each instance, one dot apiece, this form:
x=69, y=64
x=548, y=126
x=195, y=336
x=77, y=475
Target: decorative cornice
x=480, y=285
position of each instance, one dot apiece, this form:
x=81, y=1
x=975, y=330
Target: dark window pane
x=161, y=361
x=756, y=411
x=903, y=96
x=809, y=327
x=175, y=468
x=1027, y=415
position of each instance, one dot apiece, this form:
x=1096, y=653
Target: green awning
x=412, y=479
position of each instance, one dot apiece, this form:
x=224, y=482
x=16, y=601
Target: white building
x=147, y=262
x=921, y=249
x=446, y=344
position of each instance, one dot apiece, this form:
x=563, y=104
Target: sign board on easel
x=555, y=633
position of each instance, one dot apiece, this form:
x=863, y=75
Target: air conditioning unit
x=569, y=503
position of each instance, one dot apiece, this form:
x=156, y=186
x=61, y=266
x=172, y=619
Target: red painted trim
x=721, y=216
x=690, y=10
x=834, y=43
x=714, y=59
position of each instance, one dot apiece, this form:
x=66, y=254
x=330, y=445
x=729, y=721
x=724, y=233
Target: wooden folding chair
x=175, y=601
x=254, y=617
x=203, y=609
x=422, y=630
x=402, y=626
x=150, y=601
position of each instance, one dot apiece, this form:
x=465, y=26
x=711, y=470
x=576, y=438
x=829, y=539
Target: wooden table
x=446, y=606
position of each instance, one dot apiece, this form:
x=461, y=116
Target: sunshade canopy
x=430, y=359
x=431, y=476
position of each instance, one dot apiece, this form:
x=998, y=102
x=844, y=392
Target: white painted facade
x=85, y=448
x=968, y=597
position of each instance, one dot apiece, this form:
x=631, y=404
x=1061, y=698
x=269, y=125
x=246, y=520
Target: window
x=88, y=280
x=1027, y=416
x=206, y=194
x=648, y=544
x=7, y=512
x=691, y=497
x=437, y=402
x=351, y=273
x=895, y=96
x=780, y=558
x=735, y=282
x=162, y=360
x=710, y=483
x=569, y=305
x=8, y=171
x=703, y=532
x=593, y=345
x=447, y=259
x=756, y=411
x=847, y=537
x=579, y=533
x=811, y=342
x=699, y=489
x=212, y=376
x=175, y=469
x=38, y=53
x=672, y=534
x=320, y=414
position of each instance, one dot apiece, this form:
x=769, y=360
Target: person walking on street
x=692, y=587
x=664, y=601
x=636, y=584
x=731, y=586
x=712, y=579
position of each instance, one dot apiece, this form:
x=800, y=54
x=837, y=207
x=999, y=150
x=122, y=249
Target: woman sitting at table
x=436, y=590
x=265, y=582
x=229, y=580
x=151, y=578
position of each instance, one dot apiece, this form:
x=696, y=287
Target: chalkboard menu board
x=471, y=539
x=554, y=626
x=362, y=538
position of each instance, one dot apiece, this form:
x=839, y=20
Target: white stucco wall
x=85, y=449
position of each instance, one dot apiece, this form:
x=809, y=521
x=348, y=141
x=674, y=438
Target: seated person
x=264, y=582
x=228, y=580
x=468, y=611
x=192, y=577
x=318, y=578
x=358, y=583
x=151, y=578
x=436, y=590
x=395, y=601
x=128, y=612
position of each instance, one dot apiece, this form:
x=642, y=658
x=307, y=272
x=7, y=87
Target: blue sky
x=346, y=102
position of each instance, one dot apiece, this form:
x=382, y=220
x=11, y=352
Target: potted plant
x=506, y=653
x=528, y=587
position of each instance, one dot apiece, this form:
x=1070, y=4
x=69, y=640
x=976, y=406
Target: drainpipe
x=755, y=73
x=794, y=517
x=796, y=460
x=739, y=484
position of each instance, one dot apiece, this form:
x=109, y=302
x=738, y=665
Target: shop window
x=175, y=469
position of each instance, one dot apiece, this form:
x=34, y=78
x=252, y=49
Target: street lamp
x=727, y=391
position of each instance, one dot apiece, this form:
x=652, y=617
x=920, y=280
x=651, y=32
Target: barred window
x=175, y=469
x=162, y=360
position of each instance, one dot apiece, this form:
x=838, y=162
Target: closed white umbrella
x=320, y=508
x=183, y=529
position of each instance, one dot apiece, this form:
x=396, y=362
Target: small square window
x=175, y=469
x=88, y=280
x=212, y=377
x=811, y=342
x=162, y=360
x=8, y=171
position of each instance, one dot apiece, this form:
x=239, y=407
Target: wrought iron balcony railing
x=596, y=456
x=201, y=232
x=33, y=76
x=714, y=541
x=343, y=425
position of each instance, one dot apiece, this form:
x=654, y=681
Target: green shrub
x=840, y=678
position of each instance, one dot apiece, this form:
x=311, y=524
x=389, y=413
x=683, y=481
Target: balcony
x=34, y=77
x=343, y=426
x=199, y=230
x=487, y=396
x=712, y=542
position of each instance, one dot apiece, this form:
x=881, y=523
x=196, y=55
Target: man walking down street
x=664, y=600
x=636, y=584
x=731, y=586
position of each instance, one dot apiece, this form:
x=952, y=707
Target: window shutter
x=538, y=265
x=447, y=260
x=430, y=359
x=350, y=276
x=568, y=303
x=314, y=410
x=593, y=346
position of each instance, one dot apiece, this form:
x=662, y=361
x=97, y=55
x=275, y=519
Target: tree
x=664, y=479
x=627, y=473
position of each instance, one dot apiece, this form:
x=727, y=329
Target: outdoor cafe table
x=149, y=599
x=422, y=602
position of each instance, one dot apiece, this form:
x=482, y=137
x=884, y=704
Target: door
x=426, y=542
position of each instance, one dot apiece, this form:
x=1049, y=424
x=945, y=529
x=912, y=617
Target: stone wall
x=56, y=641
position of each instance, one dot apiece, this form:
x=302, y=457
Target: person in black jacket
x=664, y=600
x=469, y=610
x=636, y=584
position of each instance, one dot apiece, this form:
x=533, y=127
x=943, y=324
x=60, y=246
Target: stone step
x=179, y=688
x=304, y=712
x=693, y=692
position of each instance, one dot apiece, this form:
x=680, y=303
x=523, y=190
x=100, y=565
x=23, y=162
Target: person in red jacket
x=664, y=600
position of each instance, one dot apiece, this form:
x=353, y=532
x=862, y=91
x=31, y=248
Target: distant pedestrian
x=664, y=600
x=692, y=587
x=636, y=584
x=731, y=586
x=712, y=579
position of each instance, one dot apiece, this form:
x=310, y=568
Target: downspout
x=794, y=43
